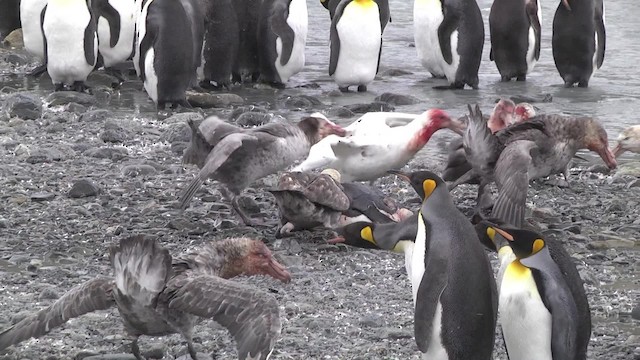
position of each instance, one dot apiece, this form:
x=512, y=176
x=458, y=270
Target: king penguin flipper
x=448, y=25
x=557, y=298
x=90, y=41
x=428, y=296
x=280, y=27
x=104, y=9
x=145, y=45
x=600, y=33
x=532, y=13
x=334, y=38
x=44, y=38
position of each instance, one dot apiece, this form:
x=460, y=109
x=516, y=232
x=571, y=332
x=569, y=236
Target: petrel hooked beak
x=278, y=271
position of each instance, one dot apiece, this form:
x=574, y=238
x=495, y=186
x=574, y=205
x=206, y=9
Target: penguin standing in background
x=330, y=5
x=221, y=42
x=578, y=40
x=165, y=51
x=116, y=31
x=9, y=17
x=450, y=34
x=515, y=37
x=32, y=36
x=448, y=268
x=195, y=14
x=282, y=35
x=247, y=64
x=543, y=307
x=356, y=42
x=70, y=42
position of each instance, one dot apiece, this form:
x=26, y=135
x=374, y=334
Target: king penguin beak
x=566, y=4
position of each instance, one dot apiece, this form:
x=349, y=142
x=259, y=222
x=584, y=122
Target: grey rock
x=111, y=357
x=114, y=136
x=372, y=320
x=249, y=204
x=38, y=158
x=199, y=355
x=16, y=59
x=155, y=352
x=338, y=111
x=138, y=170
x=84, y=354
x=394, y=72
x=599, y=169
x=96, y=115
x=397, y=99
x=374, y=106
x=208, y=100
x=635, y=312
x=48, y=293
x=65, y=97
x=83, y=188
x=178, y=132
x=42, y=196
x=24, y=106
x=235, y=114
x=14, y=40
x=179, y=147
x=113, y=153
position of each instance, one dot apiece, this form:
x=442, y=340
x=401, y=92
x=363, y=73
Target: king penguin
x=449, y=38
x=515, y=37
x=356, y=42
x=578, y=40
x=165, y=50
x=454, y=291
x=9, y=17
x=116, y=31
x=221, y=41
x=70, y=42
x=31, y=21
x=543, y=308
x=282, y=35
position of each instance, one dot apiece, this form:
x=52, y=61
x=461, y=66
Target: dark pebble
x=301, y=102
x=75, y=108
x=179, y=147
x=49, y=293
x=24, y=106
x=249, y=204
x=397, y=99
x=114, y=136
x=182, y=118
x=37, y=159
x=256, y=118
x=374, y=106
x=83, y=188
x=65, y=97
x=208, y=100
x=235, y=114
x=635, y=312
x=111, y=357
x=599, y=169
x=394, y=72
x=42, y=196
x=16, y=59
x=96, y=115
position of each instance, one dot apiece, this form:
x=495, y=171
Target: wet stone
x=635, y=312
x=397, y=99
x=75, y=108
x=179, y=132
x=208, y=100
x=83, y=188
x=235, y=114
x=249, y=204
x=106, y=153
x=114, y=136
x=65, y=97
x=111, y=357
x=301, y=102
x=182, y=118
x=372, y=107
x=338, y=111
x=96, y=115
x=394, y=72
x=24, y=106
x=42, y=196
x=256, y=118
x=48, y=293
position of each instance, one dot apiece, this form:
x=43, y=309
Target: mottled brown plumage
x=157, y=295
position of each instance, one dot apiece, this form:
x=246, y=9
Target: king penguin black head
x=423, y=182
x=524, y=243
x=358, y=234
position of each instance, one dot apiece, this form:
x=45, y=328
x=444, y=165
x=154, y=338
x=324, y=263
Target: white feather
x=151, y=78
x=30, y=11
x=427, y=17
x=128, y=15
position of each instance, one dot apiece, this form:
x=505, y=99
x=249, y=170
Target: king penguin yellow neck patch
x=428, y=186
x=367, y=234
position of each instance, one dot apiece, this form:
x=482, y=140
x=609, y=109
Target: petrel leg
x=135, y=350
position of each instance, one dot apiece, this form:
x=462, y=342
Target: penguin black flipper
x=385, y=14
x=362, y=197
x=600, y=33
x=448, y=25
x=105, y=10
x=44, y=38
x=428, y=296
x=512, y=177
x=145, y=45
x=334, y=38
x=280, y=27
x=532, y=13
x=89, y=41
x=557, y=298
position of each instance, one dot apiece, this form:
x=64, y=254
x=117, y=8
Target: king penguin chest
x=525, y=320
x=359, y=26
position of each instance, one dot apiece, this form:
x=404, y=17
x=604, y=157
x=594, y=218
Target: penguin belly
x=122, y=50
x=525, y=321
x=30, y=11
x=141, y=31
x=150, y=76
x=360, y=37
x=427, y=16
x=64, y=27
x=298, y=21
x=450, y=70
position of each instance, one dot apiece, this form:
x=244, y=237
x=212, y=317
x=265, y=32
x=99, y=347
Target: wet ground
x=343, y=303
